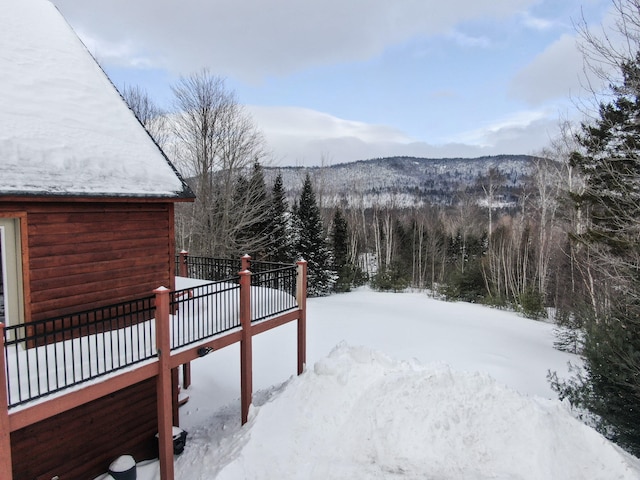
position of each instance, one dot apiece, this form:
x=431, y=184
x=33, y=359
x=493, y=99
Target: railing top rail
x=209, y=288
x=273, y=270
x=274, y=264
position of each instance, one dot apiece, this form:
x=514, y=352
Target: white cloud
x=537, y=23
x=306, y=137
x=253, y=39
x=556, y=72
x=120, y=53
x=465, y=40
x=487, y=135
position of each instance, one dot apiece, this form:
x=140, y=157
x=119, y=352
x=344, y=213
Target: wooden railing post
x=183, y=269
x=301, y=297
x=246, y=366
x=245, y=262
x=5, y=434
x=163, y=385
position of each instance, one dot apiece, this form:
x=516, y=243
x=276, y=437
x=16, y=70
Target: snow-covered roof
x=64, y=128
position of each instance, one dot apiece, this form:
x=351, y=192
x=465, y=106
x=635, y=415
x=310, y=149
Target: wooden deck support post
x=6, y=469
x=186, y=375
x=301, y=297
x=183, y=268
x=184, y=272
x=163, y=385
x=246, y=366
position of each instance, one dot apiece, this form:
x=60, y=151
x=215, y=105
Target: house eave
x=24, y=196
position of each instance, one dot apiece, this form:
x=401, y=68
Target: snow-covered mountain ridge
x=405, y=181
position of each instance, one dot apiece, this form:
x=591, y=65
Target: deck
x=53, y=365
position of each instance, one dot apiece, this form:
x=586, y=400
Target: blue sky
x=343, y=80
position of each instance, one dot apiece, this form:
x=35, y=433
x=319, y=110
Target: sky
x=336, y=81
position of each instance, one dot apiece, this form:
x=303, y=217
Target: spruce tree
x=609, y=386
x=280, y=243
x=340, y=247
x=240, y=237
x=311, y=243
x=258, y=203
x=249, y=215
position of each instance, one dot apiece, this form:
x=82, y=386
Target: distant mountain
x=406, y=181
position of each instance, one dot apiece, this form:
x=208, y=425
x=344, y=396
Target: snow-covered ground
x=397, y=386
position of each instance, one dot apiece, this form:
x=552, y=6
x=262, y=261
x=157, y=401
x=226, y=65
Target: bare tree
x=216, y=142
x=152, y=117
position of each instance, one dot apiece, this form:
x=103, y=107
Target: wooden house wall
x=82, y=255
x=81, y=443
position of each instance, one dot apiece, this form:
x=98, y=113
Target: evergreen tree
x=340, y=246
x=241, y=236
x=280, y=243
x=258, y=202
x=609, y=386
x=250, y=214
x=311, y=243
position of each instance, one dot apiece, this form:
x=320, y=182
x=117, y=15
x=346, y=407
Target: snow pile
x=360, y=414
x=64, y=129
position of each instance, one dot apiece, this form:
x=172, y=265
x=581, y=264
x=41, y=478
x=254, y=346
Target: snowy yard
x=397, y=386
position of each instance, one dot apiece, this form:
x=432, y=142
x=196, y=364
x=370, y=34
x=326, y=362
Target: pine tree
x=610, y=205
x=311, y=244
x=340, y=247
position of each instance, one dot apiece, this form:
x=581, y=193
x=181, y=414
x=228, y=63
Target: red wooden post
x=5, y=434
x=175, y=393
x=186, y=375
x=245, y=262
x=163, y=385
x=183, y=270
x=246, y=372
x=301, y=297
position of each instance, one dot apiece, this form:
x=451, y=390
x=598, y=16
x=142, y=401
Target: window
x=11, y=294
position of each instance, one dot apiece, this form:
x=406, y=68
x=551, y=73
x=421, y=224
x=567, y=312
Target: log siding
x=83, y=254
x=81, y=443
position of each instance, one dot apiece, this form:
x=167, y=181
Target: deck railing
x=207, y=268
x=214, y=269
x=273, y=292
x=202, y=312
x=48, y=356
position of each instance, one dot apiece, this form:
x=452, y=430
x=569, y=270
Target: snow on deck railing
x=48, y=356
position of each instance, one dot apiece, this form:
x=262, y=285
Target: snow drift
x=360, y=414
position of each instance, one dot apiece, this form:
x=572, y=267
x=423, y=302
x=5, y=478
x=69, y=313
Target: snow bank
x=361, y=414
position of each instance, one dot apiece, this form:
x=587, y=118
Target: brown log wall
x=84, y=254
x=81, y=443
